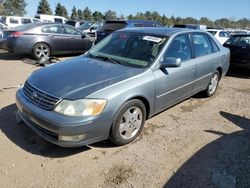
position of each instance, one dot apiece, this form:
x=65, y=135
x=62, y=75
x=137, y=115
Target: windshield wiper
x=105, y=58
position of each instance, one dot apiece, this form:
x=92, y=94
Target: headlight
x=81, y=107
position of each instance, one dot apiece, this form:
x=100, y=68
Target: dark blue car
x=111, y=26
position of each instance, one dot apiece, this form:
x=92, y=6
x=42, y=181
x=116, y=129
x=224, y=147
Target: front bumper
x=51, y=125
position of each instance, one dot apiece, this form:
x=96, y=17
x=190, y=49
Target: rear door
x=175, y=83
x=205, y=59
x=57, y=40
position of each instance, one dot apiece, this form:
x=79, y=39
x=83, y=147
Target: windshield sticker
x=151, y=38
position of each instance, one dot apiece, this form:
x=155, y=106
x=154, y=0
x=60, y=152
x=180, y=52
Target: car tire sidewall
x=115, y=136
x=34, y=49
x=207, y=92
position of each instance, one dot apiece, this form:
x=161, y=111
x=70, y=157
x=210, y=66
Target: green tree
x=44, y=8
x=61, y=10
x=130, y=17
x=74, y=15
x=15, y=7
x=97, y=16
x=87, y=14
x=80, y=14
x=2, y=11
x=140, y=16
x=65, y=12
x=110, y=15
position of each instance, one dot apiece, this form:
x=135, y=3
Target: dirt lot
x=198, y=143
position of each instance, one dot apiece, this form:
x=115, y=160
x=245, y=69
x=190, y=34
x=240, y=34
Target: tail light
x=16, y=34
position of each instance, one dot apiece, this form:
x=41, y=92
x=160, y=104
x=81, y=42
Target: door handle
x=244, y=47
x=51, y=36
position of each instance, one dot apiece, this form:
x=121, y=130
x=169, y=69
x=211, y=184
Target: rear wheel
x=41, y=50
x=128, y=122
x=213, y=84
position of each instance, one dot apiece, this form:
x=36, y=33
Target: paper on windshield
x=151, y=38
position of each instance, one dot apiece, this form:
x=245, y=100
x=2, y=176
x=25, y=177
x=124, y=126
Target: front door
x=174, y=84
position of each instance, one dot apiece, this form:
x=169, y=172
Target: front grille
x=39, y=98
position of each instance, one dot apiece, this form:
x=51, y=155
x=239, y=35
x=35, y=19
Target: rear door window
x=14, y=20
x=25, y=20
x=52, y=29
x=202, y=45
x=58, y=20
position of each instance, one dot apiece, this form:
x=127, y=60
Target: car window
x=36, y=21
x=223, y=34
x=3, y=19
x=71, y=31
x=213, y=32
x=202, y=45
x=179, y=48
x=214, y=45
x=113, y=26
x=244, y=41
x=13, y=20
x=138, y=24
x=52, y=29
x=58, y=20
x=25, y=20
x=233, y=40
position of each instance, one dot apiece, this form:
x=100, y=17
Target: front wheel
x=41, y=50
x=128, y=122
x=213, y=84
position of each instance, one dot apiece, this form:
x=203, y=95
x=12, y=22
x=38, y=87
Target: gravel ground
x=198, y=143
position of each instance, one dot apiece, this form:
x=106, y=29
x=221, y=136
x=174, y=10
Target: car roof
x=163, y=31
x=132, y=21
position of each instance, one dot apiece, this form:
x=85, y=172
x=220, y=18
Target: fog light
x=73, y=138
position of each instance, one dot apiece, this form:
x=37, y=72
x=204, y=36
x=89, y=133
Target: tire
x=128, y=122
x=213, y=85
x=41, y=50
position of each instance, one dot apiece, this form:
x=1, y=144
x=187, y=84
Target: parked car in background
x=2, y=27
x=221, y=35
x=90, y=27
x=239, y=45
x=75, y=23
x=191, y=26
x=14, y=21
x=45, y=39
x=111, y=26
x=128, y=77
x=51, y=18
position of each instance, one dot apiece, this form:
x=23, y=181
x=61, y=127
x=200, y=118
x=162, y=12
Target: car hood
x=78, y=77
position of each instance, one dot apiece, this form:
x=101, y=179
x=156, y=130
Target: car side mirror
x=91, y=29
x=171, y=62
x=83, y=36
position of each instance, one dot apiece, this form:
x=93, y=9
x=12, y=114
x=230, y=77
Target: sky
x=213, y=9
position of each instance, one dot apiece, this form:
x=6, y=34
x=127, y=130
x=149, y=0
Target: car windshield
x=130, y=48
x=212, y=32
x=86, y=25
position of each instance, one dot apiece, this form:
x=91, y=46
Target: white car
x=2, y=27
x=221, y=35
x=14, y=21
